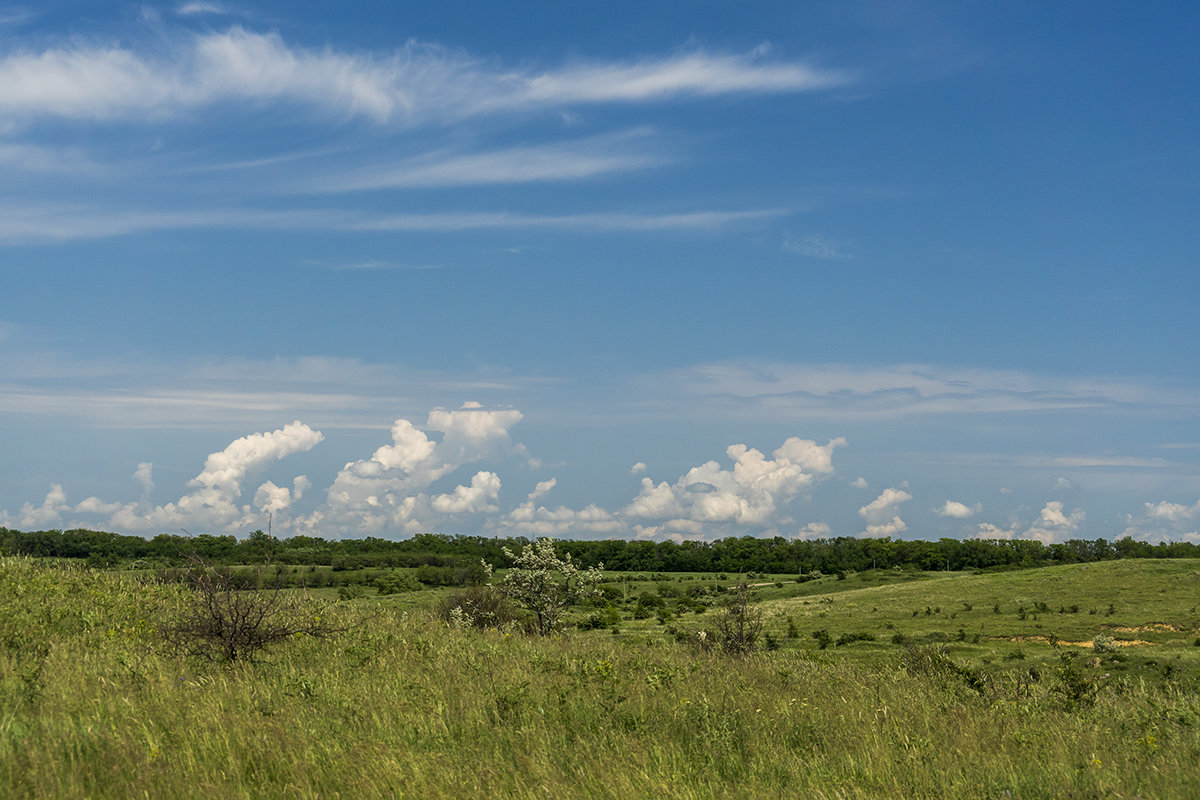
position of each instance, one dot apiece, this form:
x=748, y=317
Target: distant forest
x=733, y=555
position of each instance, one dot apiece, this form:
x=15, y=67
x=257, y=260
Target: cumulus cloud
x=1164, y=521
x=1063, y=484
x=815, y=530
x=1053, y=524
x=882, y=506
x=860, y=483
x=48, y=514
x=638, y=468
x=890, y=528
x=750, y=494
x=878, y=511
x=480, y=496
x=957, y=510
x=144, y=475
x=388, y=490
x=530, y=518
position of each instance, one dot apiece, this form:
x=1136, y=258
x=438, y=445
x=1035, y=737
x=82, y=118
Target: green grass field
x=402, y=705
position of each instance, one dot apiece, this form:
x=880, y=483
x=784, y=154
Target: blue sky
x=643, y=270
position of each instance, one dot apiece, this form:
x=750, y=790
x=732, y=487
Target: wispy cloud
x=330, y=392
x=69, y=222
x=588, y=158
x=369, y=266
x=816, y=246
x=194, y=9
x=844, y=391
x=417, y=84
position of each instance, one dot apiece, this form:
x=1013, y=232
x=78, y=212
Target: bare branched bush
x=225, y=622
x=739, y=627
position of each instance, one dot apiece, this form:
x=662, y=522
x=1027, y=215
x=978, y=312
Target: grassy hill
x=401, y=705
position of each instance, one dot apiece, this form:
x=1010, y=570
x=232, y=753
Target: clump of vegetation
x=738, y=628
x=546, y=585
x=476, y=607
x=223, y=622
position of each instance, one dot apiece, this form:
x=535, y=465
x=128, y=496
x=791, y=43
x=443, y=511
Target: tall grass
x=407, y=707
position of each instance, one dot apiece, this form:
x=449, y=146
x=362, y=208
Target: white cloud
x=577, y=160
x=387, y=490
x=192, y=9
x=1164, y=521
x=860, y=483
x=1053, y=525
x=816, y=246
x=479, y=497
x=638, y=468
x=889, y=528
x=815, y=530
x=957, y=510
x=1062, y=483
x=877, y=512
x=542, y=489
x=225, y=470
x=751, y=494
x=73, y=221
x=419, y=83
x=144, y=475
x=1172, y=512
x=884, y=505
x=841, y=391
x=49, y=513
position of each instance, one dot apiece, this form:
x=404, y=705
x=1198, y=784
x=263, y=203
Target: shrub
x=477, y=607
x=545, y=584
x=738, y=628
x=396, y=582
x=224, y=622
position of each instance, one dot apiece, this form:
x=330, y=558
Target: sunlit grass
x=404, y=706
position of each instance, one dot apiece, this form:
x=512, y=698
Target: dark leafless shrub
x=226, y=622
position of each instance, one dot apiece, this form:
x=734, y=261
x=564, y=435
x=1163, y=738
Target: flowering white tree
x=545, y=584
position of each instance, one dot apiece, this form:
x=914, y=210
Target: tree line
x=734, y=554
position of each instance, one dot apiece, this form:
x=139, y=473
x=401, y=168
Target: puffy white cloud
x=957, y=510
x=860, y=483
x=890, y=528
x=815, y=530
x=750, y=494
x=883, y=506
x=225, y=470
x=877, y=512
x=1164, y=521
x=1053, y=525
x=532, y=519
x=638, y=468
x=49, y=513
x=480, y=496
x=542, y=489
x=144, y=474
x=1172, y=512
x=413, y=461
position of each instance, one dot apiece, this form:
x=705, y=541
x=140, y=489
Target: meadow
x=884, y=683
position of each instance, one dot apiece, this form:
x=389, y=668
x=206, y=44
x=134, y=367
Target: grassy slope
x=404, y=707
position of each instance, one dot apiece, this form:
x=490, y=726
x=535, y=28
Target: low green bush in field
x=403, y=704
